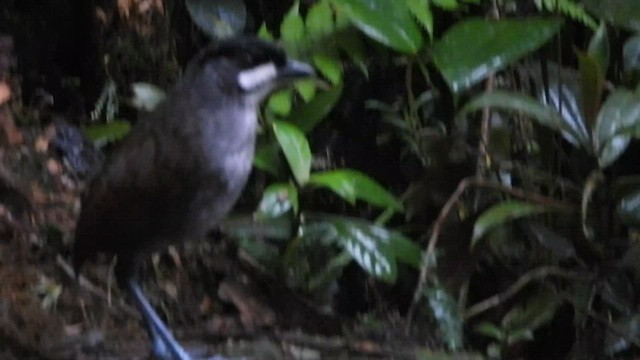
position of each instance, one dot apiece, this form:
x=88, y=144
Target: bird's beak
x=295, y=70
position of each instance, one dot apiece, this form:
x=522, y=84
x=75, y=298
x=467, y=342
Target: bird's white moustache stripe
x=255, y=76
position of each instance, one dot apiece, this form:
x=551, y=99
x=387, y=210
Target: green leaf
x=352, y=185
x=629, y=209
x=448, y=315
x=537, y=310
x=501, y=213
x=319, y=20
x=219, y=19
x=296, y=149
x=306, y=89
x=351, y=42
x=375, y=248
x=109, y=132
x=292, y=30
x=591, y=87
x=307, y=116
x=543, y=114
x=422, y=11
x=386, y=21
x=475, y=48
x=278, y=199
x=330, y=67
x=563, y=98
x=446, y=4
x=625, y=13
x=280, y=102
x=490, y=330
x=264, y=33
x=267, y=158
x=599, y=48
x=620, y=112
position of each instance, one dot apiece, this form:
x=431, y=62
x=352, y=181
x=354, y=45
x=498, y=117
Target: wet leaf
x=386, y=21
x=353, y=185
x=296, y=149
x=475, y=48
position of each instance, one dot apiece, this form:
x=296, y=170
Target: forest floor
x=210, y=303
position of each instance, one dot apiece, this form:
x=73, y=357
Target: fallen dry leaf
x=5, y=92
x=54, y=167
x=42, y=144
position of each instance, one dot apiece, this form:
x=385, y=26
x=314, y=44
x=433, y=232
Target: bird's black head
x=249, y=66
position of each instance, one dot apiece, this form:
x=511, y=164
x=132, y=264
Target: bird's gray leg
x=164, y=345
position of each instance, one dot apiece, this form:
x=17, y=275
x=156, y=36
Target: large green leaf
x=591, y=87
x=475, y=48
x=387, y=21
x=620, y=112
x=502, y=213
x=352, y=185
x=422, y=11
x=307, y=116
x=625, y=13
x=296, y=149
x=375, y=248
x=267, y=158
x=292, y=30
x=543, y=114
x=319, y=20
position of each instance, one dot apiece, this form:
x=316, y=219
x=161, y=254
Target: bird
x=182, y=167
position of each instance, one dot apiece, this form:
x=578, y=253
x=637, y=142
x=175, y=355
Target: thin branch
x=444, y=213
x=524, y=280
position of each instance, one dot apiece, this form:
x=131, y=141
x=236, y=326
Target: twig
x=524, y=280
x=444, y=213
x=94, y=290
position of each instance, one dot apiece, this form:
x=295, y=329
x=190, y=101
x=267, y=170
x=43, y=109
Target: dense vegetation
x=464, y=178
